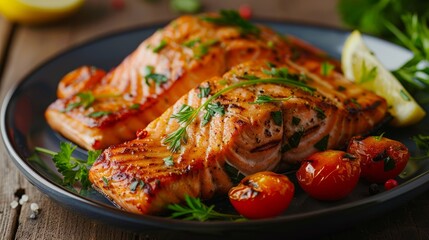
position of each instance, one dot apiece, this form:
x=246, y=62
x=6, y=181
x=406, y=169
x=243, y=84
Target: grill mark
x=265, y=147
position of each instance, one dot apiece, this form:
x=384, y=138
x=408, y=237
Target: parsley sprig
x=261, y=99
x=414, y=74
x=187, y=114
x=86, y=99
x=196, y=210
x=74, y=170
x=233, y=18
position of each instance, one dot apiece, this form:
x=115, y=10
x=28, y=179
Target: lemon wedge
x=38, y=11
x=360, y=65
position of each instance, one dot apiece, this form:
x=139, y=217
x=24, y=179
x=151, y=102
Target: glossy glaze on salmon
x=144, y=176
x=163, y=68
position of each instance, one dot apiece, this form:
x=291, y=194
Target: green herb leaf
x=378, y=138
x=184, y=114
x=73, y=170
x=191, y=43
x=319, y=113
x=106, y=181
x=261, y=99
x=98, y=114
x=160, y=46
x=233, y=18
x=203, y=48
x=133, y=185
x=157, y=78
x=204, y=91
x=326, y=68
x=168, y=161
x=322, y=144
x=135, y=106
x=211, y=110
x=277, y=117
x=196, y=210
x=86, y=99
x=296, y=120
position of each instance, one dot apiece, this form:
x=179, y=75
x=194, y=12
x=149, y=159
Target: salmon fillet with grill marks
x=249, y=137
x=163, y=68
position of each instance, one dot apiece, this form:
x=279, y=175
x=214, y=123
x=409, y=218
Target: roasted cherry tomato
x=380, y=158
x=329, y=175
x=262, y=195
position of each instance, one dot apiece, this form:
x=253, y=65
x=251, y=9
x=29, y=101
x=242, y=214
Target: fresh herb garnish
x=179, y=136
x=296, y=120
x=106, y=181
x=160, y=46
x=133, y=185
x=168, y=161
x=233, y=18
x=211, y=110
x=326, y=68
x=322, y=144
x=157, y=78
x=261, y=99
x=74, y=170
x=196, y=210
x=86, y=99
x=277, y=117
x=379, y=137
x=191, y=43
x=319, y=113
x=293, y=141
x=277, y=72
x=202, y=49
x=414, y=74
x=204, y=91
x=135, y=106
x=98, y=114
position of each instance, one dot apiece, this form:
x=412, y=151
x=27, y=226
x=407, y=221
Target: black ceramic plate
x=23, y=128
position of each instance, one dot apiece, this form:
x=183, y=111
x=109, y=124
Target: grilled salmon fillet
x=144, y=175
x=96, y=109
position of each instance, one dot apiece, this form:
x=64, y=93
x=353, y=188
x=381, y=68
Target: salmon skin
x=144, y=176
x=96, y=109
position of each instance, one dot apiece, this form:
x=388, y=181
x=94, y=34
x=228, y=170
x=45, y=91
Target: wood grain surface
x=22, y=48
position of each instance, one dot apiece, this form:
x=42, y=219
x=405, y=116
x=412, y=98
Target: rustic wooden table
x=22, y=48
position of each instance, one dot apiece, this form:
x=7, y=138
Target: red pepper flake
x=141, y=133
x=391, y=183
x=245, y=11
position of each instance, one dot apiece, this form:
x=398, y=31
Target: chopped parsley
x=233, y=18
x=261, y=99
x=277, y=117
x=322, y=144
x=296, y=120
x=160, y=46
x=168, y=161
x=157, y=78
x=204, y=92
x=98, y=114
x=326, y=68
x=319, y=113
x=86, y=99
x=135, y=106
x=211, y=110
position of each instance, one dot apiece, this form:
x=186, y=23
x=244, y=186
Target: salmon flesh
x=244, y=133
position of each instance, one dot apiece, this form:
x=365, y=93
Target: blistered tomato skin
x=329, y=175
x=262, y=195
x=381, y=158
